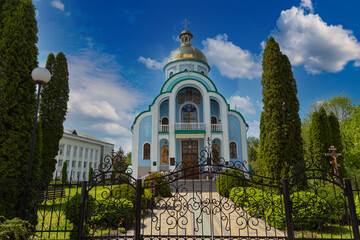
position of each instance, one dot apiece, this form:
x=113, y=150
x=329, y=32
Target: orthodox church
x=188, y=111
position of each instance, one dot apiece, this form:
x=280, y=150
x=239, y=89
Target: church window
x=215, y=153
x=146, y=151
x=202, y=72
x=189, y=113
x=61, y=150
x=233, y=150
x=171, y=73
x=213, y=120
x=165, y=124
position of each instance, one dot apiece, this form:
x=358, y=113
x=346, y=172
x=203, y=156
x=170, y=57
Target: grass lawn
x=51, y=214
x=329, y=232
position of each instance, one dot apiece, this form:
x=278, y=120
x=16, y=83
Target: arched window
x=233, y=150
x=171, y=73
x=164, y=121
x=213, y=120
x=202, y=72
x=189, y=113
x=146, y=152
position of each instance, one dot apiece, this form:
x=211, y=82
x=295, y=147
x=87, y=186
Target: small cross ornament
x=186, y=23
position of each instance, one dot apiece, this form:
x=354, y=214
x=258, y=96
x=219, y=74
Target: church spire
x=186, y=35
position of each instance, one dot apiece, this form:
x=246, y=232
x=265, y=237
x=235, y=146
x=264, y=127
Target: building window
x=189, y=114
x=202, y=72
x=86, y=153
x=60, y=163
x=171, y=73
x=79, y=165
x=73, y=164
x=78, y=175
x=215, y=153
x=84, y=175
x=68, y=150
x=213, y=120
x=61, y=149
x=85, y=164
x=75, y=151
x=165, y=154
x=91, y=153
x=233, y=150
x=146, y=151
x=81, y=152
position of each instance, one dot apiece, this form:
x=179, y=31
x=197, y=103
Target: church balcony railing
x=190, y=126
x=216, y=127
x=163, y=128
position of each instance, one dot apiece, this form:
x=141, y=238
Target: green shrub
x=275, y=212
x=124, y=191
x=14, y=229
x=72, y=213
x=159, y=182
x=229, y=179
x=357, y=206
x=114, y=213
x=309, y=210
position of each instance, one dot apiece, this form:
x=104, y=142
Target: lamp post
x=40, y=76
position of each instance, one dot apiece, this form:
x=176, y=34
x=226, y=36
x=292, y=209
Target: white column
x=77, y=164
x=154, y=137
x=172, y=121
x=225, y=128
x=207, y=116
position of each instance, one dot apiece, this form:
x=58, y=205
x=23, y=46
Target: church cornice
x=185, y=60
x=182, y=72
x=191, y=79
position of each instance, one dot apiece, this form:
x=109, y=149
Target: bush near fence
x=309, y=209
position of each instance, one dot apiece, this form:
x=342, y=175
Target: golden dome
x=186, y=50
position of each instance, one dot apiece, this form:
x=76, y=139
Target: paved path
x=191, y=214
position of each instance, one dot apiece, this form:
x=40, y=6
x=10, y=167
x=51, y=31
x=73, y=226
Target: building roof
x=76, y=133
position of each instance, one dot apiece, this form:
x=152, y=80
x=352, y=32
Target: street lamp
x=40, y=76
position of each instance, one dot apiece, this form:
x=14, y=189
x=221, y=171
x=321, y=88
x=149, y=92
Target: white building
x=81, y=152
x=188, y=111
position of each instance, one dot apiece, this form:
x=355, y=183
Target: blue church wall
x=214, y=109
x=178, y=147
x=145, y=137
x=170, y=70
x=235, y=136
x=164, y=109
x=201, y=69
x=186, y=66
x=198, y=106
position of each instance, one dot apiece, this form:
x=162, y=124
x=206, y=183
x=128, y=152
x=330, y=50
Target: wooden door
x=190, y=159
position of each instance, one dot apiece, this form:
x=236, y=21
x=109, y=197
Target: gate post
x=138, y=209
x=288, y=209
x=352, y=209
x=82, y=209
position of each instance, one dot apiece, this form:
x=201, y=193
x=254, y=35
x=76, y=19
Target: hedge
x=229, y=179
x=309, y=210
x=14, y=229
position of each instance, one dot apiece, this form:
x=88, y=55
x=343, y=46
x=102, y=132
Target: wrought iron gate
x=223, y=201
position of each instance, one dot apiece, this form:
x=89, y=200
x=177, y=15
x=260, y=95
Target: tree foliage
x=64, y=175
x=280, y=125
x=53, y=108
x=18, y=57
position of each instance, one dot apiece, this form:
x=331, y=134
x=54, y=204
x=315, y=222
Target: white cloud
x=58, y=4
x=254, y=129
x=150, y=63
x=242, y=103
x=307, y=40
x=307, y=4
x=102, y=103
x=231, y=60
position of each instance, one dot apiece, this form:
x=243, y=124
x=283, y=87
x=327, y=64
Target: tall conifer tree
x=53, y=108
x=18, y=57
x=280, y=125
x=320, y=134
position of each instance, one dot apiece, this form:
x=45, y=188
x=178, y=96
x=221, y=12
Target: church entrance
x=189, y=158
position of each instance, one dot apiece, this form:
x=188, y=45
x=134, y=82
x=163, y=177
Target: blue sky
x=115, y=51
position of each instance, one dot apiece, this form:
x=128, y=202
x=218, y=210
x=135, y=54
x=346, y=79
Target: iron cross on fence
x=334, y=155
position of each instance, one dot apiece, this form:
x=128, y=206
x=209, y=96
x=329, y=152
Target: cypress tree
x=53, y=108
x=280, y=125
x=18, y=57
x=320, y=138
x=64, y=176
x=91, y=174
